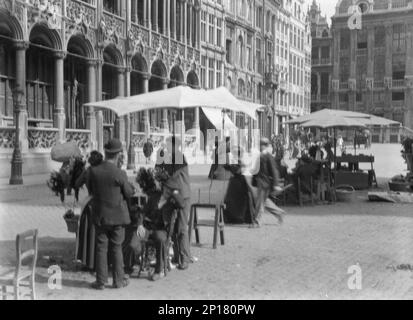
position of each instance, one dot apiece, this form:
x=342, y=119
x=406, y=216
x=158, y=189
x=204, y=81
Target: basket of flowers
x=399, y=184
x=72, y=221
x=345, y=193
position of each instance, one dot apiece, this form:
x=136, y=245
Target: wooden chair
x=22, y=276
x=218, y=222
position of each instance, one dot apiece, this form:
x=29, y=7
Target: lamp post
x=131, y=149
x=16, y=177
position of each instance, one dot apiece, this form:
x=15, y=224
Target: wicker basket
x=345, y=193
x=398, y=186
x=72, y=224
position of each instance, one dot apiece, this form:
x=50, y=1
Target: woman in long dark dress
x=239, y=200
x=86, y=237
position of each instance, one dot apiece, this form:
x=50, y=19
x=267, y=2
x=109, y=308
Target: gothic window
x=40, y=84
x=379, y=36
x=203, y=25
x=249, y=52
x=399, y=36
x=325, y=52
x=6, y=79
x=241, y=88
x=219, y=32
x=228, y=45
x=211, y=73
x=379, y=67
x=112, y=6
x=325, y=83
x=344, y=39
x=203, y=71
x=219, y=73
x=362, y=39
x=138, y=12
x=344, y=69
x=240, y=46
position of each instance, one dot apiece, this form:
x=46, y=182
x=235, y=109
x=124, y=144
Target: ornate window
x=6, y=79
x=112, y=6
x=399, y=36
x=240, y=46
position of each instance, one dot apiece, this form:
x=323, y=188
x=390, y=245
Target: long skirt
x=87, y=243
x=239, y=201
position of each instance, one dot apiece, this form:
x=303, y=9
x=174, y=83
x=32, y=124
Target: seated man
x=157, y=219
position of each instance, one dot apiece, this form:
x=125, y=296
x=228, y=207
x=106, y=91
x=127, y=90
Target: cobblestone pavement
x=306, y=258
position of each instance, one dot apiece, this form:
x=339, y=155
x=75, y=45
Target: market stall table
x=355, y=177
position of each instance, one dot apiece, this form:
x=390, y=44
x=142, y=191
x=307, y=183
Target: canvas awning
x=215, y=117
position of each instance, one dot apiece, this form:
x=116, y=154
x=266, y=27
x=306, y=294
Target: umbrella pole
x=173, y=141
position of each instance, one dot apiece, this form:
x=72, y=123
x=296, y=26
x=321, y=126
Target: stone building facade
x=268, y=49
x=321, y=60
x=373, y=65
x=64, y=53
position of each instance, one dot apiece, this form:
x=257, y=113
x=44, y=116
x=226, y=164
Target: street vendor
x=173, y=163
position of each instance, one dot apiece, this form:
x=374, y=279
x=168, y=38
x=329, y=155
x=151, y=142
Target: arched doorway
x=75, y=86
x=110, y=88
x=7, y=71
x=139, y=71
x=40, y=77
x=158, y=81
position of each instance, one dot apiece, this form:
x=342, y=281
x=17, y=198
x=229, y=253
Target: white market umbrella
x=327, y=113
x=228, y=101
x=180, y=97
x=334, y=122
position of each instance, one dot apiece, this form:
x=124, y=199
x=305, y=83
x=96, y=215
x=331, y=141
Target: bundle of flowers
x=146, y=179
x=57, y=185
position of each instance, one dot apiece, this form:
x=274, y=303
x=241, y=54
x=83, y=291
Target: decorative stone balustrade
x=7, y=135
x=42, y=138
x=81, y=137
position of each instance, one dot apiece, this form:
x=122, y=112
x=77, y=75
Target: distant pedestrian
x=266, y=180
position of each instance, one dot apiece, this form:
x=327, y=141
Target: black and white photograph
x=206, y=150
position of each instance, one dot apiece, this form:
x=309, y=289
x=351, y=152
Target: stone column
x=99, y=133
x=173, y=18
x=155, y=16
x=120, y=122
x=182, y=15
x=150, y=14
x=145, y=89
x=21, y=48
x=128, y=118
x=185, y=20
x=198, y=27
x=99, y=121
x=91, y=123
x=164, y=121
x=145, y=13
x=59, y=120
x=318, y=86
x=191, y=22
x=168, y=18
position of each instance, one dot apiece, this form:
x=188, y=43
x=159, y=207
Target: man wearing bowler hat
x=110, y=189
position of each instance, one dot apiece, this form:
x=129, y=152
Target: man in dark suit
x=110, y=189
x=266, y=180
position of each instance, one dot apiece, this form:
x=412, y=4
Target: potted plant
x=407, y=144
